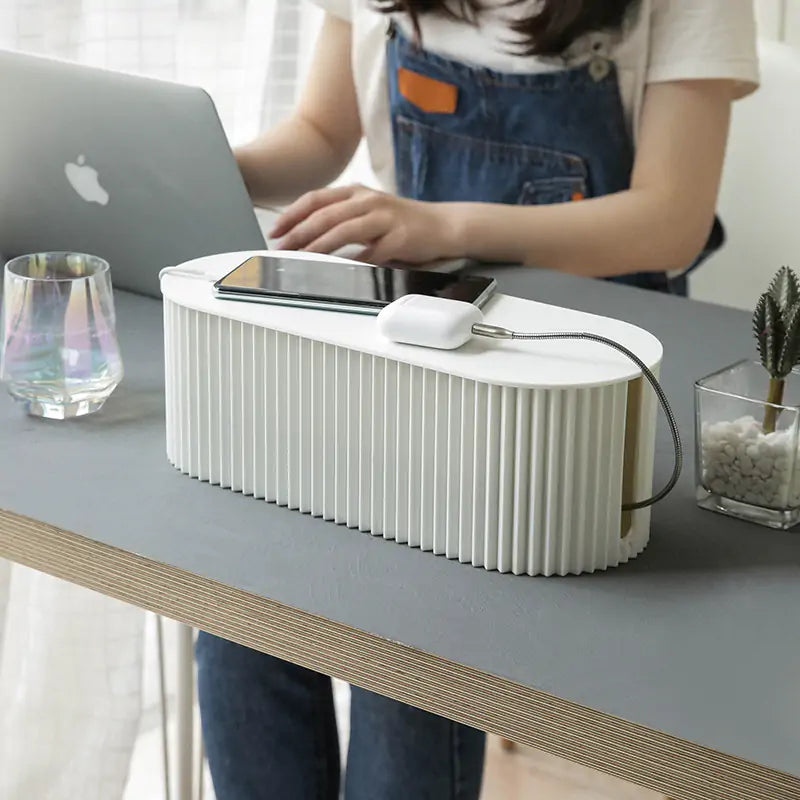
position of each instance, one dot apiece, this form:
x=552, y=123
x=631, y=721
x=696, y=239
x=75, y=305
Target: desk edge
x=630, y=751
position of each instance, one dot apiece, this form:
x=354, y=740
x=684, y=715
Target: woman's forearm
x=660, y=223
x=631, y=231
x=292, y=158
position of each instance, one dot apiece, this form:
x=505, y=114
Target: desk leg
x=185, y=711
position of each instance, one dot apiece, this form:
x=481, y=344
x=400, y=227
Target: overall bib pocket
x=443, y=166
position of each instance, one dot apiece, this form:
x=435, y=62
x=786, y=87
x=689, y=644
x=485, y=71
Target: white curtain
x=249, y=54
x=71, y=660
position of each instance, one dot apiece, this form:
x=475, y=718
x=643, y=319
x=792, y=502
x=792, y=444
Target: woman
x=586, y=136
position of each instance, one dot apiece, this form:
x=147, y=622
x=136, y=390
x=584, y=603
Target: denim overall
x=524, y=139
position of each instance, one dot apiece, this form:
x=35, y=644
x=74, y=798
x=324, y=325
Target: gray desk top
x=699, y=637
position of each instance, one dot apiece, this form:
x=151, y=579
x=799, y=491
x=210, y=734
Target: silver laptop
x=134, y=170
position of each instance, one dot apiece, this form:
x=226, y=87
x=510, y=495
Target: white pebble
x=741, y=462
x=764, y=464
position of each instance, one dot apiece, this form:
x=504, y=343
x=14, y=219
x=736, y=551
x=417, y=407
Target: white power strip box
x=509, y=455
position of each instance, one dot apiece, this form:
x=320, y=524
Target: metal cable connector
x=492, y=331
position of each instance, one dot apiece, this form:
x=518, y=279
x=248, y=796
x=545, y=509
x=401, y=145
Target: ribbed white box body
x=509, y=456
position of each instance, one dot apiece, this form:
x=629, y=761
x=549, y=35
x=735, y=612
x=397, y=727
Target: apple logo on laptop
x=84, y=181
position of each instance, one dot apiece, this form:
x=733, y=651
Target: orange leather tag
x=436, y=97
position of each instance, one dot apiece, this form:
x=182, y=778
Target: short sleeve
x=704, y=39
x=339, y=8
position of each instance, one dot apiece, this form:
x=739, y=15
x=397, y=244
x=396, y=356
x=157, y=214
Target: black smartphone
x=343, y=286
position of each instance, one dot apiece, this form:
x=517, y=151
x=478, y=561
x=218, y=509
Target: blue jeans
x=270, y=734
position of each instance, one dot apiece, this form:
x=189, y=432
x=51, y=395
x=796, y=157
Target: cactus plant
x=776, y=326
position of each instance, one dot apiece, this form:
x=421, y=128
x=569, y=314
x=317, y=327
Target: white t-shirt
x=663, y=40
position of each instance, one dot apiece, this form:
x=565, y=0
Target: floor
x=522, y=774
x=532, y=775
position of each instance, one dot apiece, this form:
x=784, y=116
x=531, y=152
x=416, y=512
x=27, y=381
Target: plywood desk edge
x=649, y=758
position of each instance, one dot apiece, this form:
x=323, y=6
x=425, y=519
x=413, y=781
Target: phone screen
x=335, y=283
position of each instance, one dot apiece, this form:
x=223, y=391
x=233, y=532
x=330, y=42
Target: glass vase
x=746, y=449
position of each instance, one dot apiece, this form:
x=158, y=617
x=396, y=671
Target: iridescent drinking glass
x=60, y=356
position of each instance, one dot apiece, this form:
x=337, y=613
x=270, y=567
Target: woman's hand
x=388, y=227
